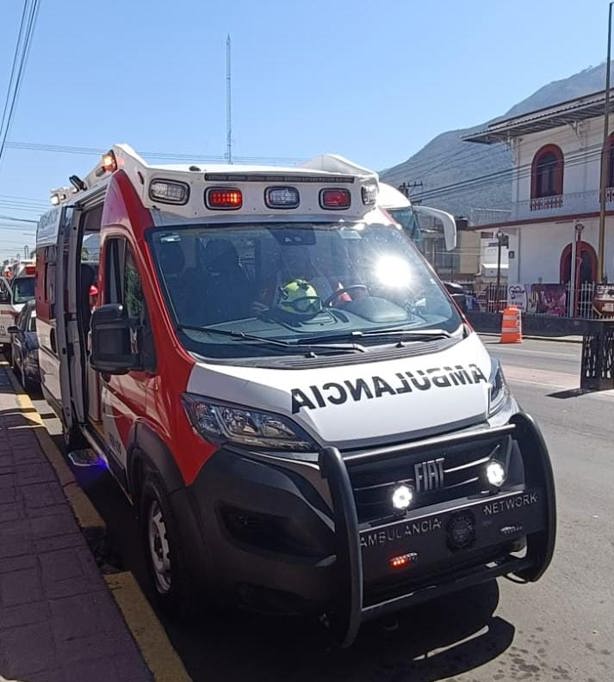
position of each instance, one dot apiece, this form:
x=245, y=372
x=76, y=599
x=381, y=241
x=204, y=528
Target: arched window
x=547, y=176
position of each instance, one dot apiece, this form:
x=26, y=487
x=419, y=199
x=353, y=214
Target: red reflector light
x=335, y=198
x=30, y=269
x=403, y=560
x=223, y=198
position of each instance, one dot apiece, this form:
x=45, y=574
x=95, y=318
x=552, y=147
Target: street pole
x=228, y=101
x=572, y=275
x=499, y=238
x=604, y=157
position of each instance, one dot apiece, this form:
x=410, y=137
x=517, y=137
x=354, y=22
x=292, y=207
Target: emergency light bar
x=281, y=197
x=335, y=199
x=329, y=184
x=109, y=164
x=223, y=198
x=169, y=191
x=369, y=194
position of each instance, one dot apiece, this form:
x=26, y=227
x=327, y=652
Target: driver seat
x=226, y=288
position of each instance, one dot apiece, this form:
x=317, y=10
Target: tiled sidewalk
x=58, y=621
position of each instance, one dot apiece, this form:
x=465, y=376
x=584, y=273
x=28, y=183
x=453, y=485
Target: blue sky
x=374, y=81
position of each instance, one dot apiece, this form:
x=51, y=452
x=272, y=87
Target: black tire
x=168, y=572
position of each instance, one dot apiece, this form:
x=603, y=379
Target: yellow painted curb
x=147, y=630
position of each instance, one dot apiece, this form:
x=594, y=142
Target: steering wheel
x=344, y=290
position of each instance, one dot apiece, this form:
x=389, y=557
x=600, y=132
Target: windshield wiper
x=263, y=340
x=398, y=333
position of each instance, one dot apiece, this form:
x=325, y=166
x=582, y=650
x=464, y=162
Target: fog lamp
x=495, y=473
x=402, y=497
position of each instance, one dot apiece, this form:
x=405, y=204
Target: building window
x=547, y=177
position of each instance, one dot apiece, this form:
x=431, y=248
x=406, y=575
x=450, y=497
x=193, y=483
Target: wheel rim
x=159, y=548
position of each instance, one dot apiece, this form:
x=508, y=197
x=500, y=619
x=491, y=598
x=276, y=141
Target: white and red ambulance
x=15, y=291
x=280, y=383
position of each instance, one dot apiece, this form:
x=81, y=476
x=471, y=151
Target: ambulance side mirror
x=5, y=296
x=114, y=341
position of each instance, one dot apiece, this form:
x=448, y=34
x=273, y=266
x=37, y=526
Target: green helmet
x=299, y=297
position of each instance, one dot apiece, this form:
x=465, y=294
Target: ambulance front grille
x=436, y=474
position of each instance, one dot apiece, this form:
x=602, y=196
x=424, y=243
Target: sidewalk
x=58, y=620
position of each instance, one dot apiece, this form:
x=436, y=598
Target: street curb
x=145, y=627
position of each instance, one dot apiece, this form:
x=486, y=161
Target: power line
x=424, y=167
x=18, y=220
x=168, y=156
x=25, y=51
x=577, y=158
x=13, y=65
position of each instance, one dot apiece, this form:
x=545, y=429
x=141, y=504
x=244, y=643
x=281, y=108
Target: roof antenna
x=228, y=103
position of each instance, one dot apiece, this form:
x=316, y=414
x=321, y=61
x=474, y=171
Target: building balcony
x=560, y=204
x=543, y=203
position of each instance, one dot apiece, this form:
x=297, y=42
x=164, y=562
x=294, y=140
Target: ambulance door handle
x=52, y=341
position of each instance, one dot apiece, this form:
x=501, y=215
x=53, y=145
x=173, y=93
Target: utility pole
x=406, y=188
x=604, y=158
x=502, y=239
x=228, y=102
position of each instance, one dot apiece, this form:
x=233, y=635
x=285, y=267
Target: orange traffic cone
x=511, y=325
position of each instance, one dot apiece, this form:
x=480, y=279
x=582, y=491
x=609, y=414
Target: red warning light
x=403, y=560
x=225, y=199
x=335, y=199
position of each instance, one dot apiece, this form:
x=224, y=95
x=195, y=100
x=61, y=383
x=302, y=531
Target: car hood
x=359, y=405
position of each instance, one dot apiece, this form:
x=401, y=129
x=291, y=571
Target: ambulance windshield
x=287, y=282
x=23, y=289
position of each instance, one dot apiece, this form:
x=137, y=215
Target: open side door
x=66, y=294
x=446, y=219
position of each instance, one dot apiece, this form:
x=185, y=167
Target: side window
x=133, y=291
x=123, y=285
x=114, y=264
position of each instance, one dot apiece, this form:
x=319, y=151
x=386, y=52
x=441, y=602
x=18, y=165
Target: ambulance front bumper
x=279, y=540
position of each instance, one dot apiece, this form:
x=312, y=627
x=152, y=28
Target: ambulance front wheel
x=162, y=548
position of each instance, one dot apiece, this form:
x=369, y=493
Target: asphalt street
x=560, y=628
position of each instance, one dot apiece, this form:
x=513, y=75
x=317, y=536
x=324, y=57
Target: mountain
x=447, y=160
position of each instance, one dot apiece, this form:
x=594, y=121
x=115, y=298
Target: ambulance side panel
x=50, y=314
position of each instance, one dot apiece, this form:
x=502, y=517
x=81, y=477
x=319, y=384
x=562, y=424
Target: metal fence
x=558, y=300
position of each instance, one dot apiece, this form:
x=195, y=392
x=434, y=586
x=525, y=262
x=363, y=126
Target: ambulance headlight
x=169, y=192
x=245, y=426
x=499, y=392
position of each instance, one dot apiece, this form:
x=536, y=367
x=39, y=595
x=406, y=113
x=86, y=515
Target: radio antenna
x=228, y=102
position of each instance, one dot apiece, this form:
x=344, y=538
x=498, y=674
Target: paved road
x=560, y=628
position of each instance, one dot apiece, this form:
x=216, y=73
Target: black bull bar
x=350, y=609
